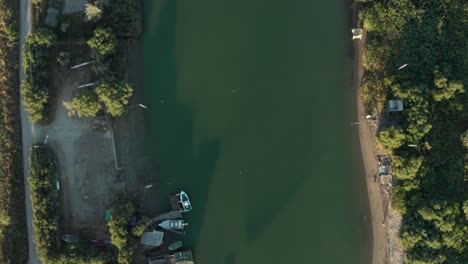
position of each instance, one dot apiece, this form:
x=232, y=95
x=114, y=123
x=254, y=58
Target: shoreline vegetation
x=107, y=28
x=45, y=202
x=13, y=232
x=44, y=199
x=114, y=26
x=428, y=141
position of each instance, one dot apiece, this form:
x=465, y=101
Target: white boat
x=173, y=224
x=185, y=201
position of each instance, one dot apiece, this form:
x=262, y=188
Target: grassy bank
x=13, y=233
x=427, y=141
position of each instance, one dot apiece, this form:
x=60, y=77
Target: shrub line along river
x=250, y=110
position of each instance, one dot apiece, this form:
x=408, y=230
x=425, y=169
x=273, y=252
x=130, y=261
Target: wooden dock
x=167, y=216
x=175, y=204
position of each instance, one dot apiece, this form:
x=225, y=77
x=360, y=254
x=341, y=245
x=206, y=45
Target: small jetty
x=167, y=216
x=170, y=250
x=181, y=257
x=175, y=204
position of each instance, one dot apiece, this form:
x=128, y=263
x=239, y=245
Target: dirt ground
x=85, y=156
x=93, y=169
x=138, y=170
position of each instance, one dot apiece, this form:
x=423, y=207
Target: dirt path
x=366, y=138
x=28, y=130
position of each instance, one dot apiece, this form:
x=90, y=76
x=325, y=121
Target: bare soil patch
x=88, y=175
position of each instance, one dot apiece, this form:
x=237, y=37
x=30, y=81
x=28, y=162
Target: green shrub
x=374, y=93
x=93, y=12
x=42, y=177
x=123, y=16
x=121, y=212
x=141, y=227
x=115, y=95
x=34, y=100
x=104, y=41
x=35, y=62
x=392, y=138
x=86, y=104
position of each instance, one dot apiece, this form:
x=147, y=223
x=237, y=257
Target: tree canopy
x=431, y=192
x=104, y=41
x=115, y=95
x=86, y=104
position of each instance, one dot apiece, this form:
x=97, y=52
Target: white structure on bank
x=357, y=33
x=395, y=105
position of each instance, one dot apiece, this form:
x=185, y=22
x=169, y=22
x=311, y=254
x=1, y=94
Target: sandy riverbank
x=366, y=138
x=385, y=225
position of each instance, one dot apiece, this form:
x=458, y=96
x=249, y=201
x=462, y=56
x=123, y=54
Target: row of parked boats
x=172, y=222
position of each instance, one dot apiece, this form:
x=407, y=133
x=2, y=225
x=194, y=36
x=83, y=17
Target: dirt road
x=27, y=128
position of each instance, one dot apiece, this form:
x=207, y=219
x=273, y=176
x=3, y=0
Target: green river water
x=249, y=114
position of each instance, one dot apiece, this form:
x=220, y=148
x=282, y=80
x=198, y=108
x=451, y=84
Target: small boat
x=172, y=224
x=70, y=238
x=175, y=245
x=185, y=202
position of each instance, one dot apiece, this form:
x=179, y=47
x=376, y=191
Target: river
x=250, y=107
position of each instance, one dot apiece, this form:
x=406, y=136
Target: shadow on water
x=171, y=125
x=272, y=196
x=265, y=165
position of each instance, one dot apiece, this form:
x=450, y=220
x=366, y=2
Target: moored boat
x=185, y=201
x=173, y=224
x=175, y=245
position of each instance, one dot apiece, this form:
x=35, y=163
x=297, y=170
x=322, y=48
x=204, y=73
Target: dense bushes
x=44, y=198
x=123, y=17
x=104, y=41
x=116, y=20
x=126, y=244
x=13, y=232
x=35, y=63
x=42, y=177
x=85, y=104
x=113, y=94
x=432, y=191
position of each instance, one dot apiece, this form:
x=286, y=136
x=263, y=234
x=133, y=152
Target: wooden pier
x=175, y=204
x=167, y=216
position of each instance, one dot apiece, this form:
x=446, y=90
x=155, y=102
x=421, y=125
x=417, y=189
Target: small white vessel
x=173, y=224
x=185, y=201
